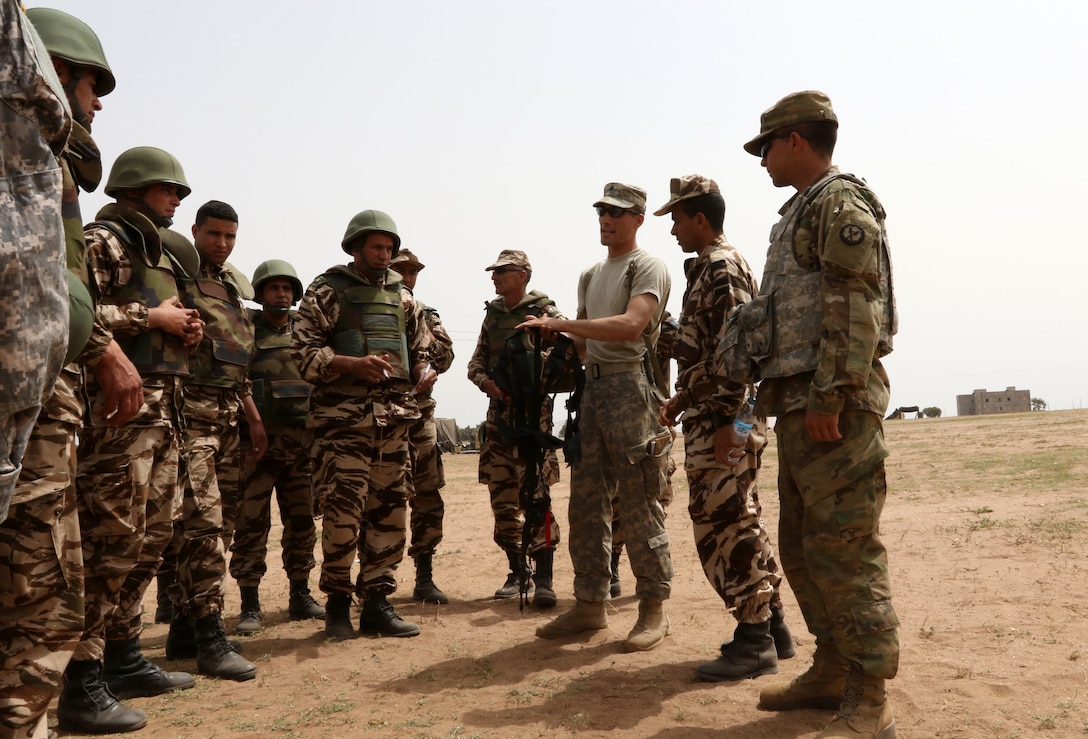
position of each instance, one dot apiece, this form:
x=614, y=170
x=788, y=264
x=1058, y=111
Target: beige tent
x=447, y=435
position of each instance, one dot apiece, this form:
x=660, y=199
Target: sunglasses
x=504, y=270
x=612, y=211
x=767, y=144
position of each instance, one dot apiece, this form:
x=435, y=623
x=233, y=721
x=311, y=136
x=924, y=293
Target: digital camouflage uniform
x=211, y=439
x=282, y=397
x=834, y=307
x=428, y=477
x=726, y=516
x=128, y=474
x=360, y=453
x=500, y=465
x=34, y=126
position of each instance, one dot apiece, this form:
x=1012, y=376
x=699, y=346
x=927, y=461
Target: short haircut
x=216, y=209
x=821, y=135
x=711, y=205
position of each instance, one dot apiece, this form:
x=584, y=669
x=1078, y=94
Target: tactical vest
x=223, y=356
x=153, y=352
x=797, y=313
x=279, y=392
x=371, y=322
x=501, y=324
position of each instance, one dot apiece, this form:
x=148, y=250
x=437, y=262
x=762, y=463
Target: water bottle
x=742, y=427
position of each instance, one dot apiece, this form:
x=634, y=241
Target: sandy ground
x=985, y=525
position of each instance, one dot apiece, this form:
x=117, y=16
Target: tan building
x=984, y=403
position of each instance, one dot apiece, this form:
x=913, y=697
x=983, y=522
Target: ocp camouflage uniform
x=282, y=397
x=726, y=516
x=428, y=477
x=211, y=440
x=834, y=304
x=501, y=467
x=360, y=430
x=128, y=474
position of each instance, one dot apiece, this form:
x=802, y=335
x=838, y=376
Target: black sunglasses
x=613, y=211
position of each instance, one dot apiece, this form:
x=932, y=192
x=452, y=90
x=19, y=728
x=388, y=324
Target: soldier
x=730, y=536
x=828, y=273
x=625, y=449
x=215, y=391
x=41, y=625
x=282, y=397
x=362, y=342
x=128, y=474
x=427, y=476
x=502, y=467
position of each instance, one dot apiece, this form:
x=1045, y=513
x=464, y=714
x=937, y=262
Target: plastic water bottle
x=742, y=428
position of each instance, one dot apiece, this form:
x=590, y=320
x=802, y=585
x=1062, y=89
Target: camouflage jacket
x=835, y=243
x=718, y=280
x=441, y=350
x=499, y=323
x=312, y=348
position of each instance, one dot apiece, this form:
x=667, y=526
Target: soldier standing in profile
x=502, y=467
x=427, y=478
x=282, y=397
x=362, y=342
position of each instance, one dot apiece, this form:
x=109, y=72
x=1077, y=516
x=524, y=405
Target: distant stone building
x=984, y=403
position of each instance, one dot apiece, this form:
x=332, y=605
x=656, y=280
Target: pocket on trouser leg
x=31, y=570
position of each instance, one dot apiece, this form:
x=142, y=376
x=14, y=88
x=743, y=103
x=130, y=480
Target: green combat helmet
x=144, y=166
x=70, y=39
x=80, y=317
x=276, y=268
x=367, y=221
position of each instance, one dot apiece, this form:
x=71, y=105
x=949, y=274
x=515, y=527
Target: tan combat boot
x=651, y=628
x=865, y=713
x=585, y=616
x=821, y=686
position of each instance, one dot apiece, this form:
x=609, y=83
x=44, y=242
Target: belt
x=597, y=371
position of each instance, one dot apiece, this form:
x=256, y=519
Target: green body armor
x=279, y=392
x=223, y=356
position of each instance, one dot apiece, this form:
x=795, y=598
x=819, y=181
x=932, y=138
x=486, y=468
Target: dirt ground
x=985, y=525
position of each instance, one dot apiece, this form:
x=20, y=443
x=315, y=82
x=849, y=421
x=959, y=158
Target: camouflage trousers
x=832, y=495
x=361, y=474
x=41, y=581
x=727, y=520
x=666, y=500
x=285, y=467
x=213, y=466
x=618, y=422
x=427, y=478
x=503, y=469
x=15, y=430
x=127, y=495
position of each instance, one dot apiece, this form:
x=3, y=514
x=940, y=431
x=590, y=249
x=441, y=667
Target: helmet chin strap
x=74, y=77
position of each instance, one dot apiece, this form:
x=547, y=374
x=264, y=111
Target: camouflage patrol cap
x=406, y=258
x=623, y=196
x=799, y=107
x=511, y=258
x=685, y=188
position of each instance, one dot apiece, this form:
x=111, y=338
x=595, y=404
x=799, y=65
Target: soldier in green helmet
x=128, y=473
x=282, y=397
x=362, y=341
x=49, y=619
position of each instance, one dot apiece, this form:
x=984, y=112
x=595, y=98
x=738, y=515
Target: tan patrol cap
x=405, y=258
x=623, y=196
x=685, y=188
x=511, y=258
x=799, y=107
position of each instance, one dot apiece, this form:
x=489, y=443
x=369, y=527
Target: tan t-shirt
x=605, y=289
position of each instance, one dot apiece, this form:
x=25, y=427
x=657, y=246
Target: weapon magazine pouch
x=655, y=446
x=748, y=338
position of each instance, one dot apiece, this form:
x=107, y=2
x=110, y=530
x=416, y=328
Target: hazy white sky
x=481, y=126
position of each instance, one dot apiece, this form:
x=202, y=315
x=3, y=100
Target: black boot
x=426, y=591
x=164, y=607
x=338, y=616
x=512, y=587
x=129, y=674
x=379, y=619
x=783, y=639
x=250, y=622
x=87, y=706
x=181, y=639
x=301, y=606
x=750, y=654
x=214, y=655
x=614, y=587
x=544, y=597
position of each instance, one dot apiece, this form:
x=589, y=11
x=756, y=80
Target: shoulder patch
x=852, y=234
